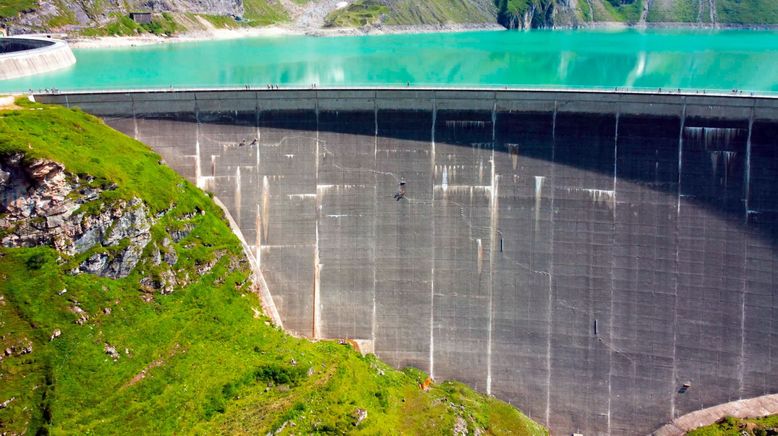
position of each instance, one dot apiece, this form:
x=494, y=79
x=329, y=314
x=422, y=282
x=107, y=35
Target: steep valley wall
x=580, y=254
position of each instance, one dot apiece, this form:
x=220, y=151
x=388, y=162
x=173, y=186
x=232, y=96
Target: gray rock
x=7, y=402
x=4, y=178
x=155, y=256
x=460, y=427
x=171, y=256
x=360, y=415
x=81, y=316
x=88, y=239
x=111, y=351
x=180, y=233
x=95, y=264
x=168, y=282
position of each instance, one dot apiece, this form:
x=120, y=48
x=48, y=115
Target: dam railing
x=423, y=87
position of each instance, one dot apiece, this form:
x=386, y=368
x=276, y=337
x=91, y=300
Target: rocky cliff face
x=526, y=14
x=56, y=15
x=72, y=15
x=42, y=204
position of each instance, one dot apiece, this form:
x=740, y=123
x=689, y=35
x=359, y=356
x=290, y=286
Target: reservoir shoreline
x=293, y=30
x=274, y=31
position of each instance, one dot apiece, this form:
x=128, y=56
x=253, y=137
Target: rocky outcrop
x=42, y=204
x=532, y=15
x=71, y=15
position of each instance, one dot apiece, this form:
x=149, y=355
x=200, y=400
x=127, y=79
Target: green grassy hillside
x=201, y=359
x=11, y=8
x=730, y=426
x=107, y=18
x=409, y=12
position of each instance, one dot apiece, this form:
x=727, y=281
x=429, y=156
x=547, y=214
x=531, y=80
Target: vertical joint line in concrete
x=742, y=361
x=432, y=277
x=493, y=209
x=316, y=266
x=748, y=162
x=373, y=319
x=677, y=261
x=198, y=170
x=549, y=301
x=258, y=131
x=238, y=197
x=494, y=122
x=613, y=261
x=134, y=117
x=553, y=123
x=260, y=181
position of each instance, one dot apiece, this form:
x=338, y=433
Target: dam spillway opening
x=582, y=255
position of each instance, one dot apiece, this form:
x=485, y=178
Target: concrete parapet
x=721, y=107
x=43, y=56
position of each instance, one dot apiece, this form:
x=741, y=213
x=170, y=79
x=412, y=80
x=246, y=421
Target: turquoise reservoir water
x=723, y=60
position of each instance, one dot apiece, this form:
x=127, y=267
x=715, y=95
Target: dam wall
x=26, y=56
x=582, y=255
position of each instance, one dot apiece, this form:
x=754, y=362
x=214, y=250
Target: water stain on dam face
x=581, y=255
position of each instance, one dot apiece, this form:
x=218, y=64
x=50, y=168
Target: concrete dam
x=603, y=261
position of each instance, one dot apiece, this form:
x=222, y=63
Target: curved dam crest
x=582, y=255
x=28, y=56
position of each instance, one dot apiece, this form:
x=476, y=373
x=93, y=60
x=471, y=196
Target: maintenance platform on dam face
x=583, y=255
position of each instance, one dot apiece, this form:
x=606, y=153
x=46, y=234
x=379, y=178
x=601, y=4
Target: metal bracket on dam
x=604, y=261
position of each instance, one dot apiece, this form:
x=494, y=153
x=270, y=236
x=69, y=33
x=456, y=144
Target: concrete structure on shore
x=583, y=255
x=26, y=56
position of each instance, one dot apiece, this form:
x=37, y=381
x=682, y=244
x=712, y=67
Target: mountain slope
x=127, y=304
x=106, y=16
x=577, y=13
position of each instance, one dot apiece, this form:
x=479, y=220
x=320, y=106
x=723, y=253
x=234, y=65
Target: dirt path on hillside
x=8, y=103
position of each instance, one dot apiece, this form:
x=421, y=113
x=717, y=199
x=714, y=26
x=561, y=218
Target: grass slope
x=440, y=12
x=409, y=12
x=195, y=361
x=11, y=8
x=122, y=25
x=357, y=14
x=264, y=12
x=747, y=11
x=730, y=426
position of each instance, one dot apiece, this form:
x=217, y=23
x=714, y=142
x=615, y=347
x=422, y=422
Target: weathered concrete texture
x=581, y=255
x=21, y=57
x=749, y=408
